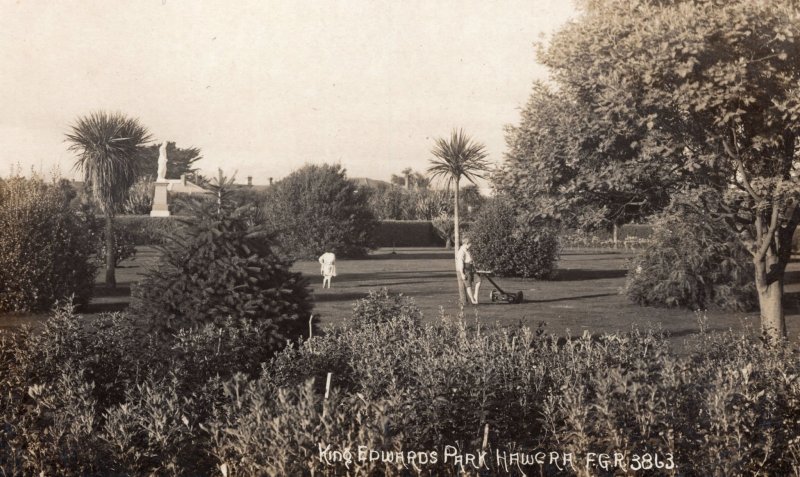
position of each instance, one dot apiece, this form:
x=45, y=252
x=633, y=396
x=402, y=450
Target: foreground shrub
x=510, y=248
x=381, y=306
x=106, y=398
x=219, y=266
x=693, y=261
x=45, y=246
x=316, y=209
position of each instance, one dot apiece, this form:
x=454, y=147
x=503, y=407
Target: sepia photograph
x=400, y=238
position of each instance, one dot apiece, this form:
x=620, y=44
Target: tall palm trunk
x=457, y=239
x=111, y=279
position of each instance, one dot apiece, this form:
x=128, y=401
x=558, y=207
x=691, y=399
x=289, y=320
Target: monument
x=163, y=186
x=160, y=204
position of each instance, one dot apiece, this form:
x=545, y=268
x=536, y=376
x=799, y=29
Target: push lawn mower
x=499, y=294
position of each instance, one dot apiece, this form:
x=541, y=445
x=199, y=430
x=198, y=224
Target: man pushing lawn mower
x=466, y=267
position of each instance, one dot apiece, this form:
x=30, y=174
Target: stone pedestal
x=160, y=206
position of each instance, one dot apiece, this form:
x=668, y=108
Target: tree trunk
x=770, y=276
x=456, y=245
x=615, y=234
x=770, y=298
x=773, y=320
x=111, y=279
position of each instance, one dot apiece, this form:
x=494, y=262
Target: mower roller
x=499, y=295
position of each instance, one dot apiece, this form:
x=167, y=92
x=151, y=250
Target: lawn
x=583, y=296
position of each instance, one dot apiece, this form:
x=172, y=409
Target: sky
x=264, y=87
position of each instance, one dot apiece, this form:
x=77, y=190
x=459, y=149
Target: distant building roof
x=367, y=182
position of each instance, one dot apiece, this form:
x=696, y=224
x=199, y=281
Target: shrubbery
x=693, y=261
x=509, y=248
x=381, y=306
x=316, y=209
x=146, y=230
x=45, y=246
x=102, y=398
x=218, y=266
x=140, y=197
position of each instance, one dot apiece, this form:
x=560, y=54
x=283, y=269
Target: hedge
x=407, y=233
x=147, y=230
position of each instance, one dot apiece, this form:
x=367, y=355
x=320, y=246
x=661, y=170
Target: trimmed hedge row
x=147, y=230
x=407, y=233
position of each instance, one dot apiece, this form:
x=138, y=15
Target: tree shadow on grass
x=102, y=291
x=570, y=298
x=343, y=296
x=578, y=274
x=389, y=284
x=411, y=256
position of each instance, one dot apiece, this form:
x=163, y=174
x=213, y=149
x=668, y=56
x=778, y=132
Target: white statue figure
x=162, y=162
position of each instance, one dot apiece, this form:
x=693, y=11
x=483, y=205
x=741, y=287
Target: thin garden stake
x=328, y=385
x=310, y=327
x=485, y=436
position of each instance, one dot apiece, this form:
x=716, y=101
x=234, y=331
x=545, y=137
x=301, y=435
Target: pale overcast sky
x=263, y=87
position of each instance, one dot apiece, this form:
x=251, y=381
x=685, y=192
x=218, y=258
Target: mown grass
x=583, y=295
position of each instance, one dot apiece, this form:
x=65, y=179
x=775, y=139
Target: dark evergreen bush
x=218, y=266
x=509, y=248
x=316, y=209
x=46, y=247
x=693, y=261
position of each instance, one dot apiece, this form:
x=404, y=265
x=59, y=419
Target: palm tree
x=107, y=145
x=458, y=158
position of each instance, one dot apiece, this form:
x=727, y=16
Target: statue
x=162, y=162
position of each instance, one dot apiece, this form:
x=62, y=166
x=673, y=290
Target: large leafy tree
x=317, y=209
x=457, y=158
x=565, y=163
x=181, y=160
x=703, y=93
x=107, y=145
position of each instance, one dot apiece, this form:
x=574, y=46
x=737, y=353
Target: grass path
x=584, y=294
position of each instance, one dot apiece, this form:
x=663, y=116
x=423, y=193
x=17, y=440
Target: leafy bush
x=124, y=241
x=219, y=266
x=140, y=197
x=45, y=246
x=81, y=398
x=316, y=209
x=381, y=306
x=693, y=261
x=146, y=230
x=445, y=228
x=509, y=248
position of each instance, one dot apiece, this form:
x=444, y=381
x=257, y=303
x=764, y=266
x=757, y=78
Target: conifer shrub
x=316, y=209
x=219, y=265
x=46, y=247
x=503, y=244
x=693, y=260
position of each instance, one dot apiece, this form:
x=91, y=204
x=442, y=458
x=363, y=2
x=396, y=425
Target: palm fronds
x=106, y=145
x=460, y=157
